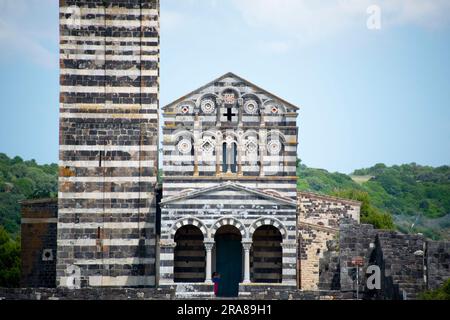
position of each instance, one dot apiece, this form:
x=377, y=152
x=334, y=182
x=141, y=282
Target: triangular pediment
x=230, y=80
x=230, y=186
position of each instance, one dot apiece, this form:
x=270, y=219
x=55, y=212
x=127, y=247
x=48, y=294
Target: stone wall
x=272, y=292
x=355, y=240
x=409, y=263
x=329, y=267
x=312, y=245
x=168, y=293
x=86, y=294
x=319, y=217
x=402, y=263
x=438, y=263
x=38, y=237
x=324, y=210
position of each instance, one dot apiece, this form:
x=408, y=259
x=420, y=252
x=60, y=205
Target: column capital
x=209, y=245
x=247, y=245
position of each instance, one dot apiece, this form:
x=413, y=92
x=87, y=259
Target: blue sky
x=366, y=96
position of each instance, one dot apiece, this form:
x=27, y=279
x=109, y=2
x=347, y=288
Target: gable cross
x=229, y=114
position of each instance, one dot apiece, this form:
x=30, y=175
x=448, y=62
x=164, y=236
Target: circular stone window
x=251, y=106
x=274, y=147
x=208, y=106
x=184, y=146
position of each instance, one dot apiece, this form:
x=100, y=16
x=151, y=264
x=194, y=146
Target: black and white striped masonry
x=109, y=91
x=229, y=162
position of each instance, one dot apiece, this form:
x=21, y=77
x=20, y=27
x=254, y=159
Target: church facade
x=227, y=202
x=229, y=186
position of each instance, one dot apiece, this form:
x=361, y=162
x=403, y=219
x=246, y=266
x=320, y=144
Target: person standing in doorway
x=216, y=281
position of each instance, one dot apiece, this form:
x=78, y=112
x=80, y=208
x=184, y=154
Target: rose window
x=208, y=106
x=184, y=146
x=251, y=107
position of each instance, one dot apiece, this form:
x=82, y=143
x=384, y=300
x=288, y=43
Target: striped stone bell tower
x=109, y=91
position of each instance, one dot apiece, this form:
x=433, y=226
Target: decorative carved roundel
x=184, y=146
x=252, y=147
x=274, y=147
x=274, y=109
x=184, y=109
x=251, y=106
x=208, y=106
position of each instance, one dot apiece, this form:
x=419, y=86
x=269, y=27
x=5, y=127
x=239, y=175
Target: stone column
x=262, y=150
x=228, y=158
x=219, y=151
x=220, y=105
x=240, y=151
x=240, y=106
x=208, y=246
x=247, y=246
x=195, y=144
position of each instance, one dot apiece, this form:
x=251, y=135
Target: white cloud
x=276, y=47
x=171, y=20
x=312, y=20
x=26, y=31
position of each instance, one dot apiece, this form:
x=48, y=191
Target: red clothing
x=216, y=288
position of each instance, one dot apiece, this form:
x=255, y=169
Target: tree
x=369, y=214
x=441, y=293
x=9, y=260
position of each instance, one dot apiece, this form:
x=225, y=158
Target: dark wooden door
x=229, y=265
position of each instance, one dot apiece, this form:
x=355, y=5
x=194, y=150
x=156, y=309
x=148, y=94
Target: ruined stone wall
x=319, y=217
x=401, y=258
x=330, y=267
x=312, y=244
x=409, y=263
x=355, y=240
x=438, y=263
x=324, y=210
x=38, y=237
x=109, y=91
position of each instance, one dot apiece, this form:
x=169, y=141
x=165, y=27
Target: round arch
x=205, y=96
x=273, y=102
x=188, y=221
x=264, y=221
x=228, y=221
x=231, y=89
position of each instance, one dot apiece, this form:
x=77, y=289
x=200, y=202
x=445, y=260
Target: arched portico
x=189, y=255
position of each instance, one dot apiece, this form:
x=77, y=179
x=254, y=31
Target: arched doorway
x=189, y=255
x=229, y=260
x=267, y=255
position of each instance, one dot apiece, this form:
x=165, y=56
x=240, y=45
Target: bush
x=369, y=214
x=442, y=293
x=9, y=260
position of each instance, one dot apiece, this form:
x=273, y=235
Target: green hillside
x=417, y=197
x=20, y=180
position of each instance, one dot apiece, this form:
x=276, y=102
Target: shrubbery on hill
x=9, y=260
x=20, y=180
